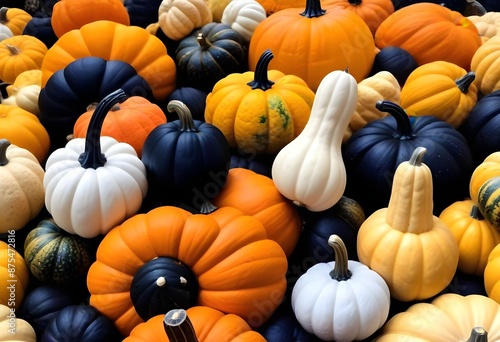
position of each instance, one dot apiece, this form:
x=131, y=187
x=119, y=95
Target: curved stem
x=3, y=14
x=203, y=41
x=313, y=9
x=260, y=80
x=475, y=213
x=404, y=130
x=14, y=50
x=4, y=144
x=178, y=326
x=478, y=334
x=184, y=114
x=417, y=156
x=464, y=82
x=92, y=156
x=340, y=271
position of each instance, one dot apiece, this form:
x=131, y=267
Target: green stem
x=261, y=81
x=404, y=130
x=184, y=114
x=340, y=271
x=417, y=156
x=478, y=334
x=464, y=82
x=92, y=157
x=3, y=15
x=475, y=213
x=178, y=327
x=313, y=9
x=4, y=144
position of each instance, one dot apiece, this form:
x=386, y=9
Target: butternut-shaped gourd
x=309, y=170
x=413, y=250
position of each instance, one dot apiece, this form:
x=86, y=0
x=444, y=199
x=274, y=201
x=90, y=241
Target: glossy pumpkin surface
x=487, y=169
x=484, y=63
x=491, y=275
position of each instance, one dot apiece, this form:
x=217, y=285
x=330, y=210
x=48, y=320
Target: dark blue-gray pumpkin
x=82, y=82
x=41, y=28
x=373, y=153
x=399, y=62
x=193, y=98
x=186, y=159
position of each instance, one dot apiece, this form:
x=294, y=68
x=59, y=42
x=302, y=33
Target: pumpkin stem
x=178, y=326
x=261, y=80
x=207, y=207
x=3, y=91
x=203, y=41
x=417, y=156
x=4, y=144
x=340, y=270
x=478, y=334
x=476, y=214
x=14, y=50
x=404, y=130
x=464, y=82
x=313, y=9
x=92, y=156
x=184, y=114
x=3, y=15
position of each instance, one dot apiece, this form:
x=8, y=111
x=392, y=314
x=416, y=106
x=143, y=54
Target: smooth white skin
x=243, y=16
x=343, y=311
x=90, y=202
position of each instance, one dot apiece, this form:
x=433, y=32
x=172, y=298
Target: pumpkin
x=15, y=19
x=80, y=322
x=20, y=53
x=309, y=170
x=475, y=236
x=193, y=98
x=373, y=12
x=5, y=32
x=491, y=278
x=259, y=163
x=226, y=260
x=95, y=175
x=14, y=273
x=14, y=329
x=484, y=64
x=186, y=157
x=399, y=62
x=487, y=169
x=449, y=317
x=21, y=186
x=26, y=78
x=455, y=5
x=198, y=323
x=420, y=254
x=209, y=54
x=69, y=91
x=70, y=15
x=381, y=86
x=373, y=153
x=259, y=112
x=243, y=17
x=430, y=32
x=322, y=298
x=488, y=24
x=256, y=195
x=130, y=121
x=178, y=18
x=313, y=42
x=24, y=94
x=487, y=200
x=41, y=28
x=142, y=12
x=55, y=256
x=114, y=41
x=442, y=89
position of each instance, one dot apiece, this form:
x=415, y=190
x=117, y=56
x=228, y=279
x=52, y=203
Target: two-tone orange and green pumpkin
x=259, y=112
x=488, y=200
x=487, y=169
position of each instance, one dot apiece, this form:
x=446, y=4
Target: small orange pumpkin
x=18, y=54
x=15, y=19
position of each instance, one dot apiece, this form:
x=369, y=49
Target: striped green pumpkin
x=54, y=256
x=488, y=200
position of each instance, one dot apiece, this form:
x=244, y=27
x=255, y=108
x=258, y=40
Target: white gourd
x=310, y=170
x=243, y=16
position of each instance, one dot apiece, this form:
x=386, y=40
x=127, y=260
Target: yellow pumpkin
x=13, y=268
x=441, y=89
x=20, y=53
x=15, y=19
x=413, y=250
x=492, y=275
x=13, y=329
x=485, y=64
x=489, y=168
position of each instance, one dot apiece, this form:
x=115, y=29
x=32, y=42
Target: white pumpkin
x=310, y=170
x=25, y=97
x=94, y=183
x=5, y=32
x=13, y=329
x=243, y=16
x=342, y=300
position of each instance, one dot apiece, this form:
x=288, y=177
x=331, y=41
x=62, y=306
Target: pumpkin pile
x=249, y=170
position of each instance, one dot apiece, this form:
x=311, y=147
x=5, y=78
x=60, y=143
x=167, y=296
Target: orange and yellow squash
x=485, y=63
x=15, y=19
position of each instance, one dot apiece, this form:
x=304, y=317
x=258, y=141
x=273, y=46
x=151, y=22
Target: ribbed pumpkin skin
x=430, y=32
x=488, y=199
x=489, y=168
x=21, y=274
x=15, y=19
x=485, y=63
x=54, y=256
x=492, y=275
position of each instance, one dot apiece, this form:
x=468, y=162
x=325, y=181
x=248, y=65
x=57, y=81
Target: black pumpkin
x=482, y=126
x=163, y=284
x=396, y=60
x=54, y=256
x=259, y=163
x=193, y=98
x=209, y=54
x=80, y=323
x=186, y=157
x=86, y=80
x=142, y=12
x=41, y=28
x=373, y=153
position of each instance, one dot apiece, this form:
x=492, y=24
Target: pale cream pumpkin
x=488, y=24
x=178, y=18
x=13, y=329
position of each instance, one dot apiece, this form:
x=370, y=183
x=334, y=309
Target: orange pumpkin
x=18, y=54
x=430, y=32
x=68, y=15
x=272, y=6
x=15, y=19
x=114, y=41
x=489, y=168
x=226, y=253
x=312, y=42
x=130, y=121
x=209, y=325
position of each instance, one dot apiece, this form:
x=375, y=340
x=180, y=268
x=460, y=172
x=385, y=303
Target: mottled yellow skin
x=256, y=120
